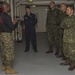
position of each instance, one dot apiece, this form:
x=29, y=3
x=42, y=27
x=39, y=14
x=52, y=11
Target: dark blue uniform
x=30, y=33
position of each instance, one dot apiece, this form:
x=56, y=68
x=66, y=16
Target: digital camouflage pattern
x=7, y=47
x=52, y=27
x=61, y=16
x=69, y=37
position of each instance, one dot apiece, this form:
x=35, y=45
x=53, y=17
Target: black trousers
x=30, y=36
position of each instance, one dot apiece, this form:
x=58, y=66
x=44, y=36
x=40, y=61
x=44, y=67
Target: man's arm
x=47, y=18
x=35, y=20
x=10, y=24
x=67, y=24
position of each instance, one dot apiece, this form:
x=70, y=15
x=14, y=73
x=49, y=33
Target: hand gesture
x=15, y=21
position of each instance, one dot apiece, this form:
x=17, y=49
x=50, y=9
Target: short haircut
x=64, y=4
x=52, y=2
x=71, y=7
x=5, y=4
x=27, y=6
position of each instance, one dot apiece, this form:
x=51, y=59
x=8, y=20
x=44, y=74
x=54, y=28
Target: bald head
x=6, y=7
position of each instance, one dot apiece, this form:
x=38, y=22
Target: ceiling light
x=33, y=5
x=29, y=1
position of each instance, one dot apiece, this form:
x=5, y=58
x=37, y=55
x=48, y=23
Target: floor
x=32, y=63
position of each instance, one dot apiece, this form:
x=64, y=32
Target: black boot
x=60, y=55
x=35, y=51
x=26, y=50
x=67, y=62
x=64, y=58
x=72, y=67
x=49, y=51
x=57, y=51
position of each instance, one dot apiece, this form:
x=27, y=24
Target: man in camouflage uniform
x=69, y=38
x=7, y=43
x=61, y=16
x=52, y=27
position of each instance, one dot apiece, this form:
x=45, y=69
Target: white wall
x=41, y=13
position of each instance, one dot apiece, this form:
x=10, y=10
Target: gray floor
x=32, y=63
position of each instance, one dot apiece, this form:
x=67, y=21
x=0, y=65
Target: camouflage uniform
x=69, y=37
x=62, y=15
x=52, y=28
x=7, y=46
x=7, y=43
x=6, y=38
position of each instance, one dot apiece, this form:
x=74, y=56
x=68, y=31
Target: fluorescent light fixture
x=29, y=1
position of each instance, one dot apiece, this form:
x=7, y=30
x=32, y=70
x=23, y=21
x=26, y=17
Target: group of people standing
x=60, y=32
x=54, y=30
x=60, y=26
